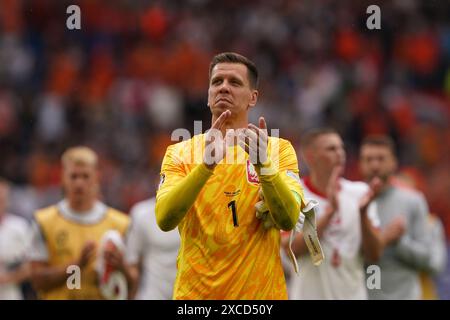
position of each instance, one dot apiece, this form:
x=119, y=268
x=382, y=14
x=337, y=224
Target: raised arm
x=282, y=199
x=372, y=241
x=178, y=191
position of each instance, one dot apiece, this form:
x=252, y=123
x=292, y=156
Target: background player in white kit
x=347, y=226
x=14, y=241
x=151, y=254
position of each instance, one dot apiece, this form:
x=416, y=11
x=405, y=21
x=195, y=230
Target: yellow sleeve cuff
x=266, y=169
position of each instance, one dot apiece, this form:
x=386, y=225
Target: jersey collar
x=310, y=186
x=89, y=217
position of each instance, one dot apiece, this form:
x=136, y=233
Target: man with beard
x=403, y=215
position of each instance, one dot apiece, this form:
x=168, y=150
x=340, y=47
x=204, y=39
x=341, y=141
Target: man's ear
x=253, y=98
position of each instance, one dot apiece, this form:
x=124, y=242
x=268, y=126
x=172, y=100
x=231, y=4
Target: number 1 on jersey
x=232, y=204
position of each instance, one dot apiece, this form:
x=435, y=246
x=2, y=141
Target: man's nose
x=224, y=87
x=375, y=164
x=374, y=167
x=78, y=182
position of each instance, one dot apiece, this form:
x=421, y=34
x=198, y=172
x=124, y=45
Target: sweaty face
x=80, y=182
x=326, y=152
x=377, y=161
x=229, y=89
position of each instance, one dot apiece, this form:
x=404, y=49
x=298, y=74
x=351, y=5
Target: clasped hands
x=252, y=139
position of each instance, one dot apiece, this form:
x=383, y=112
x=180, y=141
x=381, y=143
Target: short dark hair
x=232, y=57
x=379, y=141
x=311, y=135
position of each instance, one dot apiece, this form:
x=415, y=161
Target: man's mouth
x=223, y=100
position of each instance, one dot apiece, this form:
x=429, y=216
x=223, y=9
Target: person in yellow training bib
x=66, y=236
x=225, y=252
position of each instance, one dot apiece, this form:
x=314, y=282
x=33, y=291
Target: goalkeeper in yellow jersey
x=226, y=252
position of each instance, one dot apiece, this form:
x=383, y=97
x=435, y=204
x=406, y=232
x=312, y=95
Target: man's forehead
x=369, y=148
x=328, y=139
x=77, y=166
x=228, y=68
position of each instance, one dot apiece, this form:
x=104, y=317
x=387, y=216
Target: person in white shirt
x=151, y=254
x=347, y=225
x=14, y=240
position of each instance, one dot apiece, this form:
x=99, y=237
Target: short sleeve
x=38, y=248
x=134, y=239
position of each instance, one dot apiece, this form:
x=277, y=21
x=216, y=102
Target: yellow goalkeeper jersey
x=225, y=251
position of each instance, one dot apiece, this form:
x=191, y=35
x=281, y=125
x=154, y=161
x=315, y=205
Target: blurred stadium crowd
x=137, y=70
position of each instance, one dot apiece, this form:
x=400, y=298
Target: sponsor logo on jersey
x=230, y=191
